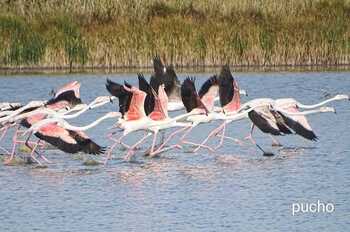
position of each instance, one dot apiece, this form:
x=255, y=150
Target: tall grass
x=118, y=33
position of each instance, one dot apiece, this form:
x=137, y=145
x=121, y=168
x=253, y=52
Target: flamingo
x=192, y=100
x=134, y=117
x=64, y=98
x=229, y=94
x=59, y=118
x=159, y=118
x=68, y=138
x=276, y=121
x=6, y=106
x=166, y=75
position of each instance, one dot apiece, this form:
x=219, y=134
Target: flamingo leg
x=131, y=151
x=32, y=149
x=110, y=137
x=233, y=139
x=36, y=144
x=160, y=148
x=182, y=140
x=250, y=137
x=223, y=128
x=14, y=141
x=153, y=143
x=275, y=142
x=212, y=133
x=109, y=153
x=4, y=131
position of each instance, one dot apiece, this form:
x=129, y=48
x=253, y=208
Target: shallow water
x=235, y=189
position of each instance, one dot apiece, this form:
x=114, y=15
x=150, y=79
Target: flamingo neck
x=316, y=111
x=89, y=126
x=316, y=105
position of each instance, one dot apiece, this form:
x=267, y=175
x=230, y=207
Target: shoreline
x=190, y=69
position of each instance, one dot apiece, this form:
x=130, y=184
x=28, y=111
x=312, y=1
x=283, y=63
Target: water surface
x=236, y=189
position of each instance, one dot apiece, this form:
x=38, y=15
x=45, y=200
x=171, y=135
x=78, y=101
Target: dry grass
x=187, y=33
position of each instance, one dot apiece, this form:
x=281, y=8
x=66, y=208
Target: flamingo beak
x=243, y=92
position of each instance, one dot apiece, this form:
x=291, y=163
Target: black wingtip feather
x=211, y=81
x=299, y=129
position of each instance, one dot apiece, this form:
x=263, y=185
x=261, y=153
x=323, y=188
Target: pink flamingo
x=65, y=97
x=230, y=101
x=134, y=118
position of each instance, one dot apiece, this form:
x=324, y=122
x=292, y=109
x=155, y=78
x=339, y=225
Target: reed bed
x=127, y=33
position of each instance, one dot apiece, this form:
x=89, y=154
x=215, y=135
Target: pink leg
x=32, y=153
x=154, y=142
x=32, y=149
x=215, y=131
x=38, y=143
x=14, y=141
x=182, y=140
x=4, y=131
x=222, y=137
x=223, y=126
x=131, y=151
x=158, y=151
x=110, y=137
x=250, y=137
x=233, y=139
x=109, y=153
x=275, y=142
x=160, y=148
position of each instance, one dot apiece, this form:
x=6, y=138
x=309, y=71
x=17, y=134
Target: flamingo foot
x=129, y=155
x=239, y=142
x=196, y=144
x=276, y=144
x=248, y=137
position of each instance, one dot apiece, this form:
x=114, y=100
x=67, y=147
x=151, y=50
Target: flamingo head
x=243, y=92
x=113, y=114
x=77, y=107
x=342, y=97
x=35, y=104
x=325, y=109
x=101, y=100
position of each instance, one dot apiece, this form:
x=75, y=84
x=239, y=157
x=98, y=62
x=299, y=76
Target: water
x=235, y=189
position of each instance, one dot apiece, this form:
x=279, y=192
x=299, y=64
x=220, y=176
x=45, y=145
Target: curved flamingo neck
x=316, y=105
x=316, y=111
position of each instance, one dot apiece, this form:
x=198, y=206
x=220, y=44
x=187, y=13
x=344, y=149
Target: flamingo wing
x=118, y=91
x=226, y=88
x=189, y=94
x=69, y=93
x=264, y=120
x=144, y=86
x=299, y=124
x=209, y=91
x=86, y=144
x=67, y=141
x=172, y=84
x=280, y=122
x=158, y=66
x=136, y=109
x=160, y=111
